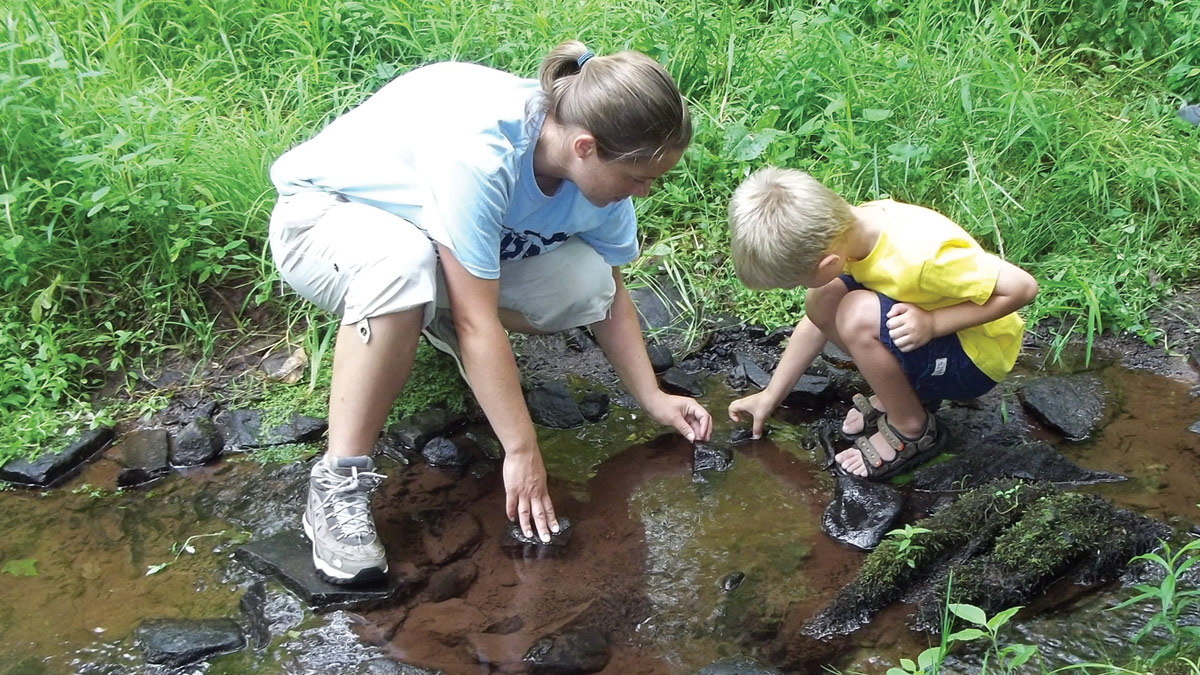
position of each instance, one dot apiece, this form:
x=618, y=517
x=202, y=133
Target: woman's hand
x=687, y=416
x=527, y=500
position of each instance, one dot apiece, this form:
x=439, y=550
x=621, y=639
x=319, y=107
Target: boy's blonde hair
x=782, y=222
x=626, y=101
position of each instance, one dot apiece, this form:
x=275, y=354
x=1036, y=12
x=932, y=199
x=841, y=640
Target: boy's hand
x=759, y=406
x=909, y=326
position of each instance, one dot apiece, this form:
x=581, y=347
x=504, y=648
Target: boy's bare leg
x=367, y=378
x=857, y=325
x=821, y=305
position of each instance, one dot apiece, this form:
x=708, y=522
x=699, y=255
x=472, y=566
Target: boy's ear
x=830, y=261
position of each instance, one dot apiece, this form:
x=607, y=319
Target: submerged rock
x=580, y=650
x=731, y=581
x=48, y=467
x=444, y=452
x=594, y=406
x=518, y=545
x=861, y=512
x=1072, y=405
x=706, y=457
x=177, y=642
x=737, y=665
x=985, y=464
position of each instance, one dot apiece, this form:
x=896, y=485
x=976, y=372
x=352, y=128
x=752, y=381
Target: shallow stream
x=656, y=558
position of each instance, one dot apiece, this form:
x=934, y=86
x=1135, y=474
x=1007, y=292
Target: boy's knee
x=821, y=303
x=858, y=317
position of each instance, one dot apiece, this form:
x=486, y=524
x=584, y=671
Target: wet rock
x=982, y=422
x=677, y=381
x=706, y=457
x=581, y=650
x=861, y=512
x=578, y=339
x=731, y=581
x=661, y=358
x=442, y=451
x=551, y=405
x=594, y=406
x=143, y=454
x=836, y=357
x=987, y=463
x=754, y=372
x=49, y=467
x=450, y=535
x=254, y=607
x=737, y=665
x=389, y=447
x=1072, y=405
x=177, y=642
x=450, y=581
x=287, y=557
x=740, y=436
x=737, y=378
x=844, y=383
x=197, y=443
x=414, y=431
x=488, y=444
x=242, y=430
x=517, y=545
x=809, y=390
x=775, y=337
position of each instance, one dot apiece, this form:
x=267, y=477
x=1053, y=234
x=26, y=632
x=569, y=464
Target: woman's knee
x=571, y=286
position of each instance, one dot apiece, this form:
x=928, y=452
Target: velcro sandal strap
x=870, y=455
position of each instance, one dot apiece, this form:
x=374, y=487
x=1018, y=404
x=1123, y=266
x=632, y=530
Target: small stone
x=582, y=650
x=594, y=406
x=197, y=443
x=286, y=367
x=708, y=458
x=731, y=581
x=143, y=454
x=444, y=452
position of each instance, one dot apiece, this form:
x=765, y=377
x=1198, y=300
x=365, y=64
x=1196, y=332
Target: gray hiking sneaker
x=440, y=333
x=338, y=521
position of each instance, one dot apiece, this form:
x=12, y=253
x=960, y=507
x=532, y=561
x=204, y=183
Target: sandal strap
x=903, y=443
x=869, y=412
x=869, y=454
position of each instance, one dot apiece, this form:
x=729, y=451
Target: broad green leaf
x=929, y=658
x=1002, y=618
x=24, y=567
x=1021, y=654
x=908, y=665
x=966, y=635
x=969, y=613
x=876, y=114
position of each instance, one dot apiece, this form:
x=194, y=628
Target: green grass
x=135, y=139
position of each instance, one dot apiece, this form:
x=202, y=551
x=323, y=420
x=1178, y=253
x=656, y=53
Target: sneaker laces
x=347, y=497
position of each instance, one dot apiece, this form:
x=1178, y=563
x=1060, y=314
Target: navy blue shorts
x=939, y=369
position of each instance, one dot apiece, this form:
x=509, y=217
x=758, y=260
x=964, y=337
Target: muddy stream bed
x=675, y=571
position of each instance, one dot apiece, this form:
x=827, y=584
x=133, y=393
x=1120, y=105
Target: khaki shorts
x=359, y=262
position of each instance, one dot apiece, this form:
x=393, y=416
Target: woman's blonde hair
x=626, y=101
x=781, y=223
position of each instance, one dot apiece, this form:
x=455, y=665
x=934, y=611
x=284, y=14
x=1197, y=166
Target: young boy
x=924, y=311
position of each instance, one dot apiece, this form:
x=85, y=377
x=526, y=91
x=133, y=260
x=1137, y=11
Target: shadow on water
x=678, y=570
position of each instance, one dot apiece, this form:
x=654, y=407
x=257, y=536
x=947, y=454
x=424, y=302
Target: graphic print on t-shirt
x=517, y=245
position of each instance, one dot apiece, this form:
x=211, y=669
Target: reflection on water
x=91, y=548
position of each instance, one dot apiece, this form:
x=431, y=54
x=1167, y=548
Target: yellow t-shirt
x=925, y=259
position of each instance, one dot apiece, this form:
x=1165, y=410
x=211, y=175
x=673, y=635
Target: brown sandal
x=909, y=451
x=870, y=415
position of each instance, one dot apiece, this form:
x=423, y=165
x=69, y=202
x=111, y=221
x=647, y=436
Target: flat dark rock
x=287, y=556
x=551, y=405
x=861, y=512
x=582, y=650
x=414, y=431
x=445, y=452
x=677, y=381
x=754, y=372
x=983, y=464
x=661, y=358
x=50, y=466
x=1072, y=405
x=177, y=642
x=197, y=443
x=143, y=454
x=241, y=429
x=809, y=390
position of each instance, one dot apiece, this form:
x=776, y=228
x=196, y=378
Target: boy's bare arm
x=806, y=342
x=910, y=326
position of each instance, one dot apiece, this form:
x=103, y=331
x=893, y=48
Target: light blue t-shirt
x=449, y=147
